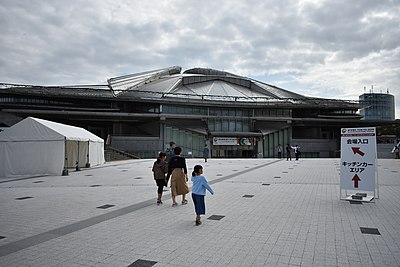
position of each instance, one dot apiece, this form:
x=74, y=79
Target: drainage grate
x=371, y=231
x=124, y=170
x=142, y=263
x=277, y=177
x=355, y=202
x=38, y=182
x=215, y=217
x=219, y=174
x=105, y=206
x=95, y=185
x=138, y=178
x=2, y=237
x=22, y=198
x=265, y=184
x=248, y=196
x=284, y=172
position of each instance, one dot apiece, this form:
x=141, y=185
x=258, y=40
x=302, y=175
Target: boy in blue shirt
x=200, y=185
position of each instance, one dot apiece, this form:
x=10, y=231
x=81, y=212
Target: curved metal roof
x=197, y=83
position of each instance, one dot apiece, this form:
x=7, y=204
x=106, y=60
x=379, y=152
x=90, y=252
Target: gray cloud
x=318, y=48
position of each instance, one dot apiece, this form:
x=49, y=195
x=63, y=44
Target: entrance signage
x=358, y=159
x=233, y=141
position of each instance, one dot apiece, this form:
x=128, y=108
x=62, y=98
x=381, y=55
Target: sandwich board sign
x=358, y=162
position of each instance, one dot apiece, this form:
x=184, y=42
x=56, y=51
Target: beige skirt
x=178, y=183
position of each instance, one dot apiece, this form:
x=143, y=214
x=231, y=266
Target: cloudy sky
x=318, y=48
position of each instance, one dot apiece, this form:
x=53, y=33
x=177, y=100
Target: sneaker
x=184, y=202
x=159, y=202
x=198, y=223
x=174, y=204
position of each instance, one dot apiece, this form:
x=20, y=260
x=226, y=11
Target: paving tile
x=309, y=226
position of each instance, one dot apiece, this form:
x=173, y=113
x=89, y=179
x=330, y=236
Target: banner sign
x=358, y=159
x=233, y=141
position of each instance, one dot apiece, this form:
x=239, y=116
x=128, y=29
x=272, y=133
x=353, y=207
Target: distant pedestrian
x=288, y=152
x=170, y=151
x=297, y=152
x=397, y=152
x=279, y=148
x=206, y=152
x=160, y=168
x=178, y=172
x=200, y=185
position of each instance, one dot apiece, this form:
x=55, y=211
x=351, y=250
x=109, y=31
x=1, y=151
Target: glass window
x=218, y=125
x=225, y=125
x=239, y=125
x=246, y=126
x=232, y=126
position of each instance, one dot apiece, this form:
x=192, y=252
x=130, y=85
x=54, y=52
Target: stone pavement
x=271, y=213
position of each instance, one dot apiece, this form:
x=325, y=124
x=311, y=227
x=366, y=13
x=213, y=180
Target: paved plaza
x=265, y=212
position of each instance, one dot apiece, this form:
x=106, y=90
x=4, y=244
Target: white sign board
x=233, y=141
x=358, y=159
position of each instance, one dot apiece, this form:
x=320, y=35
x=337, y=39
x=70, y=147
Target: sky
x=319, y=48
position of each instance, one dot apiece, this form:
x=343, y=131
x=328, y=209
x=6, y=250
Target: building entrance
x=234, y=152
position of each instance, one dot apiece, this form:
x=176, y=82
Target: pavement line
x=64, y=230
x=45, y=175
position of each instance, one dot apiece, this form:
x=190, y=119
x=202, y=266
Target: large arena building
x=235, y=116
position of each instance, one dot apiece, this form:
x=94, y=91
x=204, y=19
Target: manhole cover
x=23, y=198
x=105, y=206
x=215, y=217
x=142, y=263
x=371, y=231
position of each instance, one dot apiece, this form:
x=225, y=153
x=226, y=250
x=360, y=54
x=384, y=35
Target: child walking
x=200, y=185
x=160, y=168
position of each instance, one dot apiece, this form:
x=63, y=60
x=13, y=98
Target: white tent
x=39, y=147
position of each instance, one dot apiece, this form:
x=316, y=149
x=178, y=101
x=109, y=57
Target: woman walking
x=178, y=172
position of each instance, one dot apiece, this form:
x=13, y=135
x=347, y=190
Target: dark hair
x=172, y=143
x=177, y=150
x=160, y=155
x=196, y=169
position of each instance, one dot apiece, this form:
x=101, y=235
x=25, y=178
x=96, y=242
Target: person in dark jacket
x=160, y=168
x=206, y=152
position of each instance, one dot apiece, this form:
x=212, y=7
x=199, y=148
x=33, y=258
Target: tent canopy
x=40, y=147
x=33, y=129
